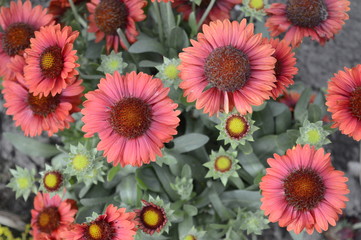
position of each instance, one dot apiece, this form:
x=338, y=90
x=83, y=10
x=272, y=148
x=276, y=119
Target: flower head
x=18, y=23
x=132, y=122
x=254, y=8
x=252, y=222
x=52, y=180
x=107, y=16
x=51, y=60
x=227, y=67
x=302, y=190
x=114, y=224
x=22, y=182
x=50, y=216
x=313, y=134
x=236, y=129
x=223, y=164
x=112, y=62
x=35, y=114
x=153, y=216
x=318, y=19
x=169, y=73
x=344, y=101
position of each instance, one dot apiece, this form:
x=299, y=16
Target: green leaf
x=147, y=179
x=301, y=106
x=165, y=177
x=30, y=146
x=241, y=198
x=284, y=142
x=222, y=211
x=147, y=63
x=266, y=146
x=112, y=172
x=296, y=236
x=128, y=191
x=186, y=171
x=189, y=142
x=277, y=108
x=95, y=201
x=178, y=38
x=314, y=113
x=192, y=21
x=250, y=163
x=283, y=121
x=190, y=210
x=264, y=120
x=167, y=16
x=147, y=45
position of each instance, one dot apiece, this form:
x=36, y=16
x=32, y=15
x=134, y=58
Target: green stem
x=123, y=38
x=159, y=21
x=80, y=20
x=205, y=14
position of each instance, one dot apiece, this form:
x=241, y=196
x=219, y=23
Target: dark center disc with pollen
x=306, y=13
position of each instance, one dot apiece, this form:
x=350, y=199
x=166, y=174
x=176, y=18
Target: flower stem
x=205, y=14
x=80, y=20
x=159, y=21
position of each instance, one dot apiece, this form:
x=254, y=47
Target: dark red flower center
x=278, y=69
x=152, y=217
x=99, y=230
x=355, y=103
x=111, y=15
x=52, y=181
x=236, y=126
x=16, y=38
x=304, y=189
x=48, y=220
x=131, y=117
x=306, y=13
x=227, y=68
x=43, y=106
x=51, y=62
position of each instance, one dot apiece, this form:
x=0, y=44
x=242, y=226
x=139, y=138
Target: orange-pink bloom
x=220, y=10
x=51, y=60
x=301, y=190
x=107, y=16
x=285, y=68
x=133, y=117
x=35, y=114
x=318, y=19
x=115, y=224
x=18, y=23
x=344, y=101
x=227, y=67
x=50, y=216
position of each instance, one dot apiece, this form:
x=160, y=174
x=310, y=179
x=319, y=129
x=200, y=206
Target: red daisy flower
x=50, y=60
x=115, y=224
x=133, y=117
x=318, y=19
x=344, y=101
x=106, y=16
x=302, y=190
x=19, y=22
x=228, y=66
x=152, y=218
x=220, y=10
x=285, y=66
x=35, y=114
x=50, y=216
x=58, y=7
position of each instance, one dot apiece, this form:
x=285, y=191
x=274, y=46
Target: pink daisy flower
x=344, y=101
x=50, y=216
x=318, y=19
x=133, y=117
x=227, y=67
x=19, y=22
x=285, y=68
x=301, y=190
x=115, y=224
x=107, y=16
x=35, y=114
x=220, y=10
x=51, y=60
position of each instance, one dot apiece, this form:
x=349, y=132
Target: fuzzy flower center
x=355, y=103
x=111, y=15
x=52, y=180
x=223, y=164
x=171, y=71
x=48, y=220
x=313, y=136
x=99, y=229
x=51, y=62
x=190, y=237
x=227, y=68
x=152, y=217
x=304, y=189
x=256, y=4
x=236, y=126
x=16, y=38
x=80, y=162
x=43, y=106
x=131, y=117
x=23, y=182
x=306, y=13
